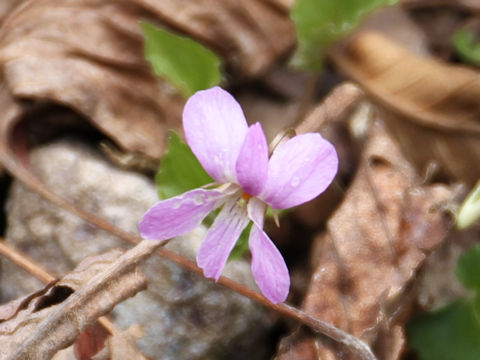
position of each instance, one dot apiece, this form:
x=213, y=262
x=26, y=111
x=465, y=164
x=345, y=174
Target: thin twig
x=22, y=260
x=19, y=258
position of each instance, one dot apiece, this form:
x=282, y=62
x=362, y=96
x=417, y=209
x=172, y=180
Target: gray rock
x=183, y=315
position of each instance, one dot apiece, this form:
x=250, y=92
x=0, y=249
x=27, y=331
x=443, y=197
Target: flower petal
x=268, y=267
x=215, y=127
x=252, y=162
x=256, y=211
x=299, y=170
x=179, y=215
x=221, y=238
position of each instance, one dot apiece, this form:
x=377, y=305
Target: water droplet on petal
x=198, y=200
x=295, y=181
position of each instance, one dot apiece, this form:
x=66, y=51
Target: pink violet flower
x=236, y=156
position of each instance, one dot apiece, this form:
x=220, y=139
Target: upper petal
x=221, y=238
x=215, y=128
x=268, y=267
x=178, y=215
x=299, y=170
x=252, y=162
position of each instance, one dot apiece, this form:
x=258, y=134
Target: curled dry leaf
x=52, y=320
x=88, y=55
x=374, y=243
x=10, y=309
x=428, y=102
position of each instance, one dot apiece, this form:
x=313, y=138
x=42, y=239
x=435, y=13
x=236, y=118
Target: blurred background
x=90, y=89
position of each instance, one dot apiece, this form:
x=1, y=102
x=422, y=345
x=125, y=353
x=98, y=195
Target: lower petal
x=221, y=238
x=178, y=215
x=268, y=267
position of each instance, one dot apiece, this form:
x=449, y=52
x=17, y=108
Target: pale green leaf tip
x=469, y=212
x=168, y=65
x=315, y=36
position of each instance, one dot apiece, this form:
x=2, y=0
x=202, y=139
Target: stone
x=183, y=315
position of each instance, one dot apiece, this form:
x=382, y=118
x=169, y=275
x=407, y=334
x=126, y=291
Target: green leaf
x=450, y=333
x=454, y=331
x=319, y=23
x=468, y=269
x=188, y=65
x=469, y=212
x=467, y=47
x=179, y=170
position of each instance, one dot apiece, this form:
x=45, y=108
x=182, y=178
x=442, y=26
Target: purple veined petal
x=221, y=238
x=299, y=170
x=268, y=267
x=252, y=162
x=179, y=215
x=215, y=127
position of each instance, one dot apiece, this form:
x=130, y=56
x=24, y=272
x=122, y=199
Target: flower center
x=246, y=196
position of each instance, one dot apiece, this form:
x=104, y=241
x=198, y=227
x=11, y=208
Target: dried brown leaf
x=88, y=55
x=6, y=6
x=90, y=342
x=430, y=92
x=428, y=102
x=122, y=346
x=53, y=321
x=471, y=5
x=10, y=309
x=373, y=246
x=75, y=53
x=65, y=354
